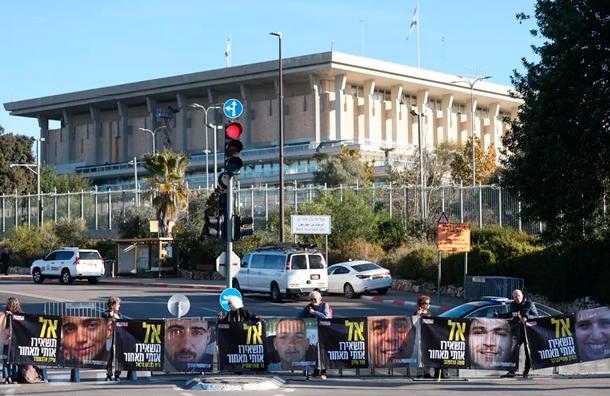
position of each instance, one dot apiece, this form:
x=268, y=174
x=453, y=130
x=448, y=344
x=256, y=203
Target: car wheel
x=349, y=292
x=37, y=276
x=236, y=286
x=94, y=281
x=383, y=291
x=65, y=277
x=276, y=295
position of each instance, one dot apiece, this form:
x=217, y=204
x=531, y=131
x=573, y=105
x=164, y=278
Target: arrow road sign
x=233, y=108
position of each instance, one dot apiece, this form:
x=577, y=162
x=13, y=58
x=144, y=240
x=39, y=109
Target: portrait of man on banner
x=391, y=341
x=493, y=344
x=593, y=333
x=189, y=345
x=85, y=342
x=292, y=344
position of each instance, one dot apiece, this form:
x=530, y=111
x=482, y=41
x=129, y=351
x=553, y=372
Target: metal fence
x=476, y=287
x=82, y=309
x=479, y=206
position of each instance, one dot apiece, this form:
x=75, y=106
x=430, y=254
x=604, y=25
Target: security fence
x=480, y=205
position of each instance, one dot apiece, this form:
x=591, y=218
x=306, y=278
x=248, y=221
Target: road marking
x=209, y=309
x=187, y=394
x=160, y=299
x=36, y=296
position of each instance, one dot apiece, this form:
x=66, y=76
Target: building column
x=369, y=132
x=495, y=127
x=182, y=120
x=246, y=117
x=447, y=105
x=97, y=134
x=151, y=104
x=123, y=131
x=69, y=126
x=396, y=98
x=471, y=109
x=422, y=101
x=340, y=81
x=43, y=123
x=314, y=82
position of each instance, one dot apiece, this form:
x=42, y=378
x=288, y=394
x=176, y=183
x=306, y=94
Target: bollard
x=74, y=375
x=132, y=375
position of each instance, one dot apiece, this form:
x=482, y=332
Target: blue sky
x=53, y=47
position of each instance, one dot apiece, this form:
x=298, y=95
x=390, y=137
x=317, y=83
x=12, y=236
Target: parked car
x=282, y=270
x=68, y=264
x=486, y=307
x=354, y=277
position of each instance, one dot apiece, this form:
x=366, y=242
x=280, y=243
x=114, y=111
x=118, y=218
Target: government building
x=330, y=99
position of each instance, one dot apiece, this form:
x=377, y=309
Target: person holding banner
x=112, y=313
x=423, y=310
x=320, y=310
x=237, y=313
x=521, y=309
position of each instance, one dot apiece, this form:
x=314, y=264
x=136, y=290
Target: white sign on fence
x=301, y=224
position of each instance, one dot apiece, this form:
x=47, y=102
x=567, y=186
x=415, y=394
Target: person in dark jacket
x=423, y=310
x=237, y=313
x=5, y=258
x=521, y=309
x=112, y=313
x=320, y=310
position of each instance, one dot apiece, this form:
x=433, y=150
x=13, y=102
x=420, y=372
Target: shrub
x=419, y=264
x=391, y=231
x=359, y=249
x=71, y=232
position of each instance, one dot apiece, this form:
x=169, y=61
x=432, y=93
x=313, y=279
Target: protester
x=112, y=313
x=290, y=343
x=237, y=313
x=491, y=343
x=27, y=374
x=521, y=309
x=423, y=309
x=5, y=257
x=316, y=309
x=593, y=333
x=186, y=344
x=391, y=340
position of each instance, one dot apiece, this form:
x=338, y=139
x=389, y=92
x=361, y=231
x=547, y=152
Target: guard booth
x=147, y=257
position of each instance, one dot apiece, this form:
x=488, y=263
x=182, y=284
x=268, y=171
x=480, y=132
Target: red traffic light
x=234, y=130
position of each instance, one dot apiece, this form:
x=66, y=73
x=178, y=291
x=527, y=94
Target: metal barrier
x=476, y=287
x=84, y=309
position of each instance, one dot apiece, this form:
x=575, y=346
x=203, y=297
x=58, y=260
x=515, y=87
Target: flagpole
x=231, y=51
x=417, y=8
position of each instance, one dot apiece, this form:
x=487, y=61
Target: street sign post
x=311, y=225
x=450, y=238
x=232, y=108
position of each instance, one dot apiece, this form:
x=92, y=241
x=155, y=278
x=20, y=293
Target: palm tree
x=166, y=182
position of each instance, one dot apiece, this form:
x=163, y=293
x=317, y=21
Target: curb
x=401, y=302
x=127, y=283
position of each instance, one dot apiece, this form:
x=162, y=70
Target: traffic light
x=215, y=226
x=238, y=230
x=233, y=147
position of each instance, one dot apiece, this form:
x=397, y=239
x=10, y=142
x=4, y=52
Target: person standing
x=320, y=310
x=237, y=313
x=113, y=313
x=521, y=309
x=423, y=310
x=5, y=257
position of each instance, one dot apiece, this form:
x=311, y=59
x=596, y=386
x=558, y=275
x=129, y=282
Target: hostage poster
x=551, y=341
x=343, y=343
x=443, y=342
x=139, y=345
x=593, y=333
x=35, y=340
x=292, y=344
x=85, y=342
x=241, y=346
x=493, y=344
x=189, y=345
x=391, y=341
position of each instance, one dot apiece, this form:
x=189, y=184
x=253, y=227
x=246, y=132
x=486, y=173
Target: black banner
x=241, y=346
x=443, y=342
x=189, y=345
x=593, y=334
x=85, y=342
x=551, y=341
x=493, y=344
x=343, y=343
x=391, y=341
x=291, y=344
x=4, y=335
x=139, y=345
x=35, y=340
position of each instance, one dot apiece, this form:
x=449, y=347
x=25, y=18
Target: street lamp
x=36, y=169
x=134, y=162
x=471, y=84
x=281, y=133
x=153, y=133
x=421, y=161
x=207, y=153
x=209, y=125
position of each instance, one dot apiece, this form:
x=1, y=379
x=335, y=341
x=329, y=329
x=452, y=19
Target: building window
x=81, y=146
x=270, y=108
x=87, y=136
x=434, y=104
x=458, y=108
x=381, y=95
x=357, y=91
x=410, y=100
x=61, y=135
x=482, y=112
x=503, y=115
x=55, y=152
x=304, y=104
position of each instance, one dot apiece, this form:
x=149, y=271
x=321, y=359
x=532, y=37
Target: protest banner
x=343, y=343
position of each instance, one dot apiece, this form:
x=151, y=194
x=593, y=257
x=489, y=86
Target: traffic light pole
x=229, y=224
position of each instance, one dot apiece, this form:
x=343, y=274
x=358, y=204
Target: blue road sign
x=233, y=108
x=226, y=293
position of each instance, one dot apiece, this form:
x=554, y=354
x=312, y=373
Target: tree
x=344, y=169
x=166, y=181
x=135, y=222
x=16, y=149
x=484, y=162
x=557, y=154
x=49, y=181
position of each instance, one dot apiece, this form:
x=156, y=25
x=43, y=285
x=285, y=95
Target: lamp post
x=471, y=84
x=36, y=169
x=421, y=162
x=208, y=125
x=281, y=132
x=153, y=133
x=207, y=153
x=135, y=177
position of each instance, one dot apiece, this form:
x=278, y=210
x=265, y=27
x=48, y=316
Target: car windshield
x=89, y=256
x=461, y=310
x=365, y=267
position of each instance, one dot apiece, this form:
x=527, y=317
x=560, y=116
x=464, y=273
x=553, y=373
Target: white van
x=283, y=270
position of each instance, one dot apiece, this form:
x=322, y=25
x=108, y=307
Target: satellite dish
x=178, y=305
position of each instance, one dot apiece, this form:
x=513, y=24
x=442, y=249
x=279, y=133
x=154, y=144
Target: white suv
x=67, y=264
x=282, y=269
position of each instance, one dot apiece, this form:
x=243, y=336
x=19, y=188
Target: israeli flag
x=413, y=22
x=228, y=52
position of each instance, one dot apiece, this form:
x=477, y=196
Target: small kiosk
x=147, y=257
